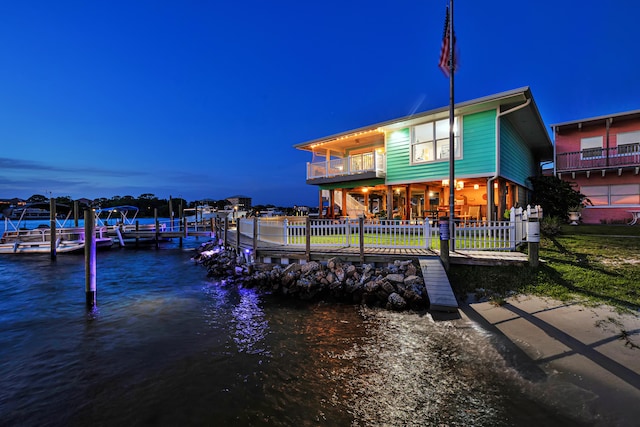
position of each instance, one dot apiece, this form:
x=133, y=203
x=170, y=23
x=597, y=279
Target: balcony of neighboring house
x=355, y=167
x=623, y=156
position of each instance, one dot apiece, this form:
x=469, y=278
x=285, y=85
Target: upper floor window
x=591, y=147
x=628, y=142
x=430, y=141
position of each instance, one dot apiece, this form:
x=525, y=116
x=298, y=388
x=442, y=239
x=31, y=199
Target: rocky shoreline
x=397, y=286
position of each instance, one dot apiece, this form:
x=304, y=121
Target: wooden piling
x=255, y=235
x=226, y=229
x=155, y=216
x=52, y=228
x=238, y=236
x=76, y=213
x=90, y=258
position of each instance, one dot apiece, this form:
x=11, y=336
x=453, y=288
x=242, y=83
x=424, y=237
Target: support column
x=389, y=202
x=407, y=202
x=320, y=203
x=345, y=212
x=330, y=210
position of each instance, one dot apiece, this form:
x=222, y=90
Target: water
x=170, y=347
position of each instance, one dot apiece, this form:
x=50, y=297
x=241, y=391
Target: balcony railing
x=599, y=158
x=352, y=165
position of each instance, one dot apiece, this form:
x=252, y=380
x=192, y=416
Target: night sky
x=205, y=99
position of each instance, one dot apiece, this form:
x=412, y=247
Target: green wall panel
x=516, y=161
x=478, y=136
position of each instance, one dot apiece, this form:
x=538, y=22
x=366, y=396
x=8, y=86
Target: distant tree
x=37, y=198
x=556, y=196
x=64, y=200
x=100, y=202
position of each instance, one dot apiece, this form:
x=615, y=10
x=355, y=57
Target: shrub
x=550, y=226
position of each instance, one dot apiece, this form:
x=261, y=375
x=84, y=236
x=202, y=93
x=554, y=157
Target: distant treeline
x=146, y=203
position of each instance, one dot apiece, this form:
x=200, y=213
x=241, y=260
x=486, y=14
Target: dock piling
x=52, y=228
x=90, y=258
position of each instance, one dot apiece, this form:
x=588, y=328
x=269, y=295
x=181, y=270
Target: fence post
x=347, y=230
x=513, y=228
x=533, y=235
x=307, y=235
x=238, y=235
x=361, y=234
x=427, y=234
x=444, y=241
x=285, y=224
x=255, y=235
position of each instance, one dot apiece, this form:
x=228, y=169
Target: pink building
x=601, y=155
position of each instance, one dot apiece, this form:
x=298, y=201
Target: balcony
x=357, y=167
x=627, y=155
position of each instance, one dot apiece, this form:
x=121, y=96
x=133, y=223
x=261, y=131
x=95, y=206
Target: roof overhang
x=596, y=121
x=526, y=120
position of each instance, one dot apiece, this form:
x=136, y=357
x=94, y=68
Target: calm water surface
x=169, y=347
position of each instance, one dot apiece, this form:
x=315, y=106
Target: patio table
x=635, y=214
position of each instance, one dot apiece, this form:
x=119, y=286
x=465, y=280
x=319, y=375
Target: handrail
x=345, y=232
x=359, y=163
x=595, y=158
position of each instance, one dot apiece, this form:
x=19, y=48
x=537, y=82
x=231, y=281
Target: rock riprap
x=396, y=286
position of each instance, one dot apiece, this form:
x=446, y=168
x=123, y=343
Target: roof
x=527, y=120
x=628, y=115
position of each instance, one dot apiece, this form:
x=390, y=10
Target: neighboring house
x=243, y=203
x=402, y=166
x=601, y=155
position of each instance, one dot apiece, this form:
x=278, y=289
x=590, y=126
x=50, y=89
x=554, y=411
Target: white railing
x=351, y=165
x=468, y=235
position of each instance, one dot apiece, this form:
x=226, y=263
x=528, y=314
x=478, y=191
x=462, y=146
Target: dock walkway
x=272, y=251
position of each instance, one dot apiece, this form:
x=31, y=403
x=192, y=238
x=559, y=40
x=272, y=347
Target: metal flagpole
x=451, y=132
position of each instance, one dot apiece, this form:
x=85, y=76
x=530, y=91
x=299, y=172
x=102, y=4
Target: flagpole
x=452, y=181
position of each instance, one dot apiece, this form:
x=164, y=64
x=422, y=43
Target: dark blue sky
x=205, y=99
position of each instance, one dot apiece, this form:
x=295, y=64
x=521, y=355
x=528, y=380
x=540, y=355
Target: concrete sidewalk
x=590, y=356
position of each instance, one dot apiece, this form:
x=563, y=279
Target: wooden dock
x=441, y=297
x=287, y=253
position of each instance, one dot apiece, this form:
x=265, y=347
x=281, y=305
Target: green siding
x=516, y=160
x=478, y=159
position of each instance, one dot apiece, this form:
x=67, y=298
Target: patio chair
x=474, y=212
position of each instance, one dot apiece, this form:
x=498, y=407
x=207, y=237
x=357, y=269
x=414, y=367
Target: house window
x=609, y=195
x=598, y=194
x=430, y=141
x=625, y=194
x=628, y=142
x=591, y=147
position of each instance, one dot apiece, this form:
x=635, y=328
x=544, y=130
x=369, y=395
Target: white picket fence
x=468, y=235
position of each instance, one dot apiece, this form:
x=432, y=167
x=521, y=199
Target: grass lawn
x=594, y=263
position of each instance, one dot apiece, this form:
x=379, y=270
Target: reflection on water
x=251, y=326
x=168, y=347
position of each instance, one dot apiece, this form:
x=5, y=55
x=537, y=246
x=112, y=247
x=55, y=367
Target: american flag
x=445, y=51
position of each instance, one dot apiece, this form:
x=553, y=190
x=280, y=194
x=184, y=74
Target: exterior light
x=476, y=186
